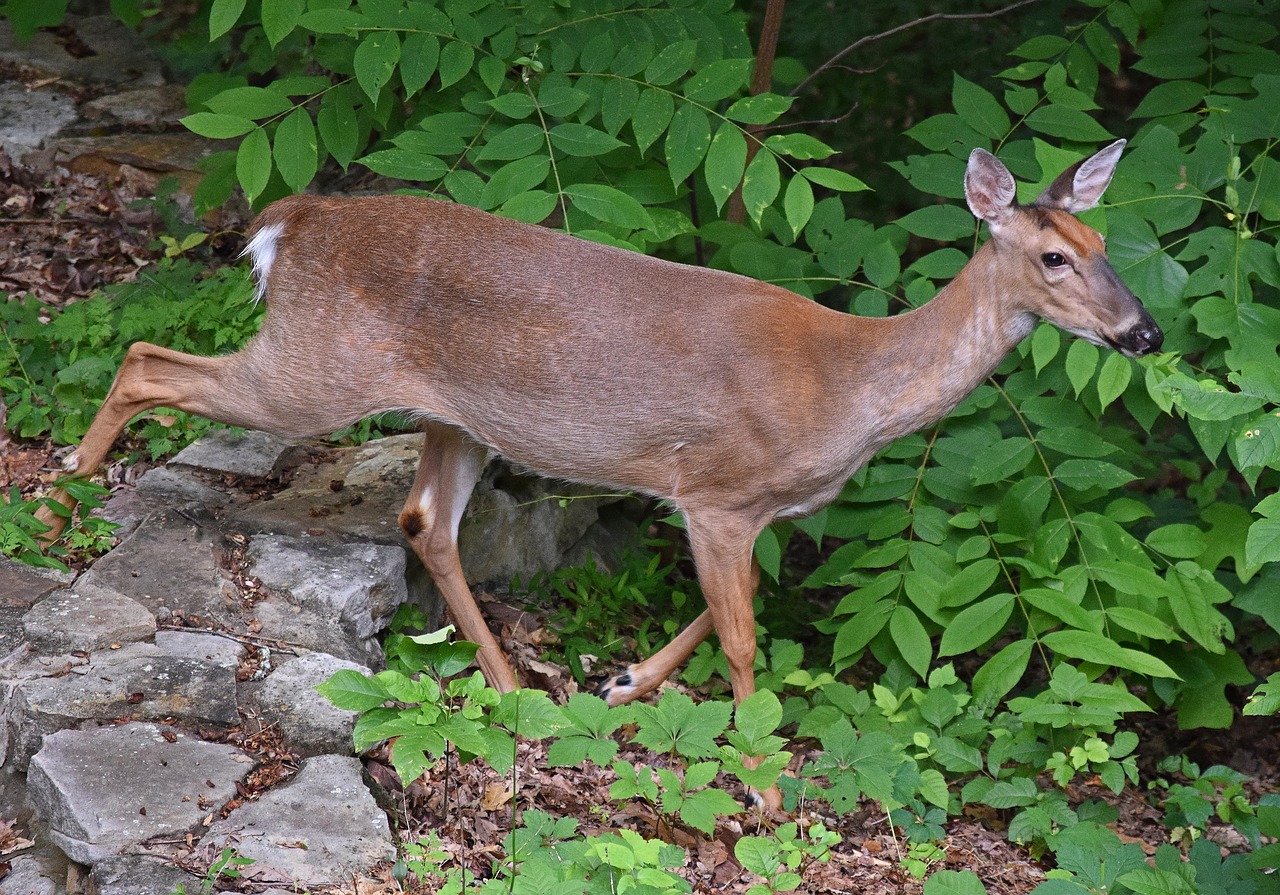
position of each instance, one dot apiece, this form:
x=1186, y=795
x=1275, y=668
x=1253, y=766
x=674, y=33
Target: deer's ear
x=1080, y=187
x=989, y=189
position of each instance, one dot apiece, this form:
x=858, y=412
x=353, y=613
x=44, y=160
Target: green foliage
x=59, y=363
x=88, y=536
x=227, y=866
x=588, y=608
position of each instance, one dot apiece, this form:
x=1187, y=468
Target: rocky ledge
x=134, y=699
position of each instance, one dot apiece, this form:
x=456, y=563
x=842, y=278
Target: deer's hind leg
x=450, y=465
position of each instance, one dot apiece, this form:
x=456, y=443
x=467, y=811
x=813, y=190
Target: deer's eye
x=1053, y=259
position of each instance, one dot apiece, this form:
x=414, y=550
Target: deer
x=735, y=400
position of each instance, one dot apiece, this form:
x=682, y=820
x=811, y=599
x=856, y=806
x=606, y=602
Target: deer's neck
x=928, y=360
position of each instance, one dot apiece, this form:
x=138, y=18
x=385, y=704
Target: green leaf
x=763, y=108
x=652, y=115
x=759, y=715
x=834, y=179
x=419, y=57
x=217, y=126
x=979, y=109
x=954, y=882
x=1082, y=474
x=726, y=159
x=279, y=17
x=253, y=163
x=1045, y=343
x=797, y=204
x=943, y=223
x=719, y=80
x=295, y=150
x=674, y=60
x=338, y=125
x=768, y=552
x=621, y=98
x=1113, y=378
x=1082, y=360
x=375, y=61
x=223, y=15
x=351, y=690
x=405, y=164
x=1067, y=123
x=1001, y=459
x=1178, y=540
x=799, y=146
x=1001, y=672
x=688, y=139
x=760, y=184
x=249, y=102
x=516, y=141
x=1142, y=623
x=582, y=141
x=1170, y=98
x=1263, y=542
x=456, y=59
x=515, y=177
x=976, y=625
x=605, y=203
x=911, y=639
x=1090, y=647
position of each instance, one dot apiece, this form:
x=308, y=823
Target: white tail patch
x=261, y=250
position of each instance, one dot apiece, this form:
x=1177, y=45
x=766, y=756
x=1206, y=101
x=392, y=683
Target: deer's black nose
x=1144, y=338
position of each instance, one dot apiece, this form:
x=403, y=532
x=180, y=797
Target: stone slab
x=247, y=453
x=87, y=618
x=105, y=789
x=21, y=587
x=328, y=596
x=169, y=563
x=292, y=842
x=310, y=723
x=137, y=875
x=30, y=119
x=138, y=683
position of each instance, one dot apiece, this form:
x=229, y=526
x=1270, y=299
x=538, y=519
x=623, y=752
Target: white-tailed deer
x=736, y=400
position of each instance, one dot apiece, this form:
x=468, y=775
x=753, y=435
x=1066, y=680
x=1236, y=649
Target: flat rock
x=328, y=596
x=200, y=647
x=104, y=789
x=43, y=872
x=30, y=119
x=138, y=683
x=291, y=842
x=21, y=587
x=248, y=453
x=170, y=563
x=310, y=723
x=137, y=875
x=116, y=55
x=87, y=618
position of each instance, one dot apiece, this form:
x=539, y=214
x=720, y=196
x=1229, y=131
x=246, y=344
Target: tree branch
x=871, y=38
x=761, y=81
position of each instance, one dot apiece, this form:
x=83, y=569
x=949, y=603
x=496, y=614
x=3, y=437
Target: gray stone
x=310, y=723
x=87, y=618
x=292, y=840
x=119, y=56
x=138, y=875
x=143, y=107
x=328, y=596
x=21, y=587
x=248, y=453
x=200, y=647
x=30, y=119
x=34, y=875
x=170, y=562
x=139, y=683
x=109, y=788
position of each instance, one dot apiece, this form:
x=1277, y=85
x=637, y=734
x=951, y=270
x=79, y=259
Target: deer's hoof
x=618, y=689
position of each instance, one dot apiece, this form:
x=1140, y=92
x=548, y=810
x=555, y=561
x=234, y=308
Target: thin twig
x=871, y=38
